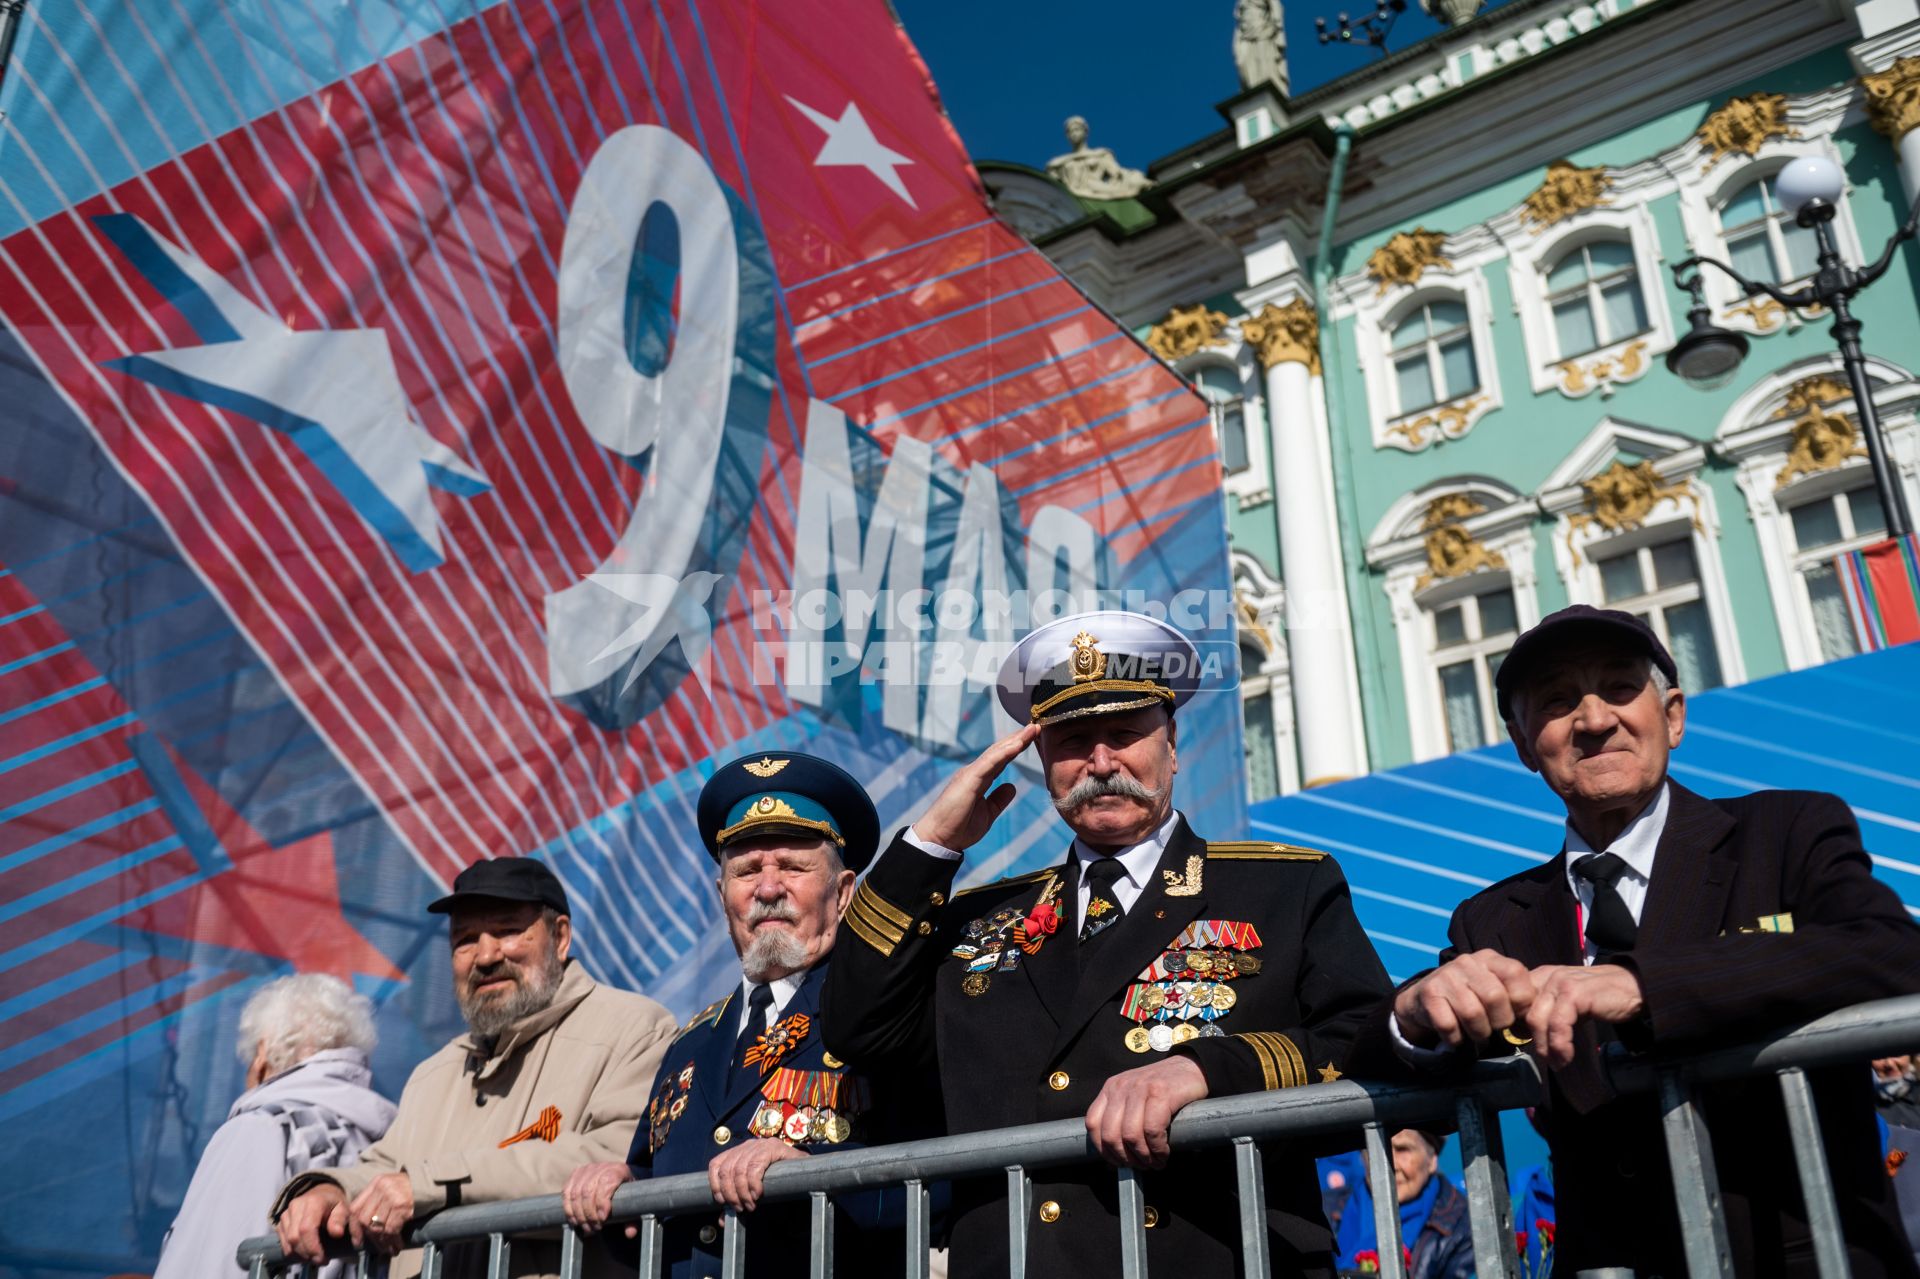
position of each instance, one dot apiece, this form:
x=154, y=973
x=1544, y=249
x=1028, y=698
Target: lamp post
x=1708, y=355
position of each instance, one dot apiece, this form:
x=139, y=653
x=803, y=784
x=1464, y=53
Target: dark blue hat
x=785, y=792
x=505, y=879
x=1553, y=633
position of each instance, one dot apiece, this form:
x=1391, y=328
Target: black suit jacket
x=1710, y=976
x=1040, y=1041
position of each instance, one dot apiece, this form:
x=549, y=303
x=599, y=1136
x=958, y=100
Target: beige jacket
x=591, y=1055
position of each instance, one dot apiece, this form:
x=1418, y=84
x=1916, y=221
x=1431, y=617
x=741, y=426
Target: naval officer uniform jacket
x=946, y=995
x=699, y=1108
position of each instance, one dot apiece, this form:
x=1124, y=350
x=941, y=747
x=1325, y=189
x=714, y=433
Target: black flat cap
x=787, y=792
x=1572, y=625
x=505, y=879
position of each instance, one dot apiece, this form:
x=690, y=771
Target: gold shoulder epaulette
x=710, y=1013
x=1008, y=882
x=1259, y=850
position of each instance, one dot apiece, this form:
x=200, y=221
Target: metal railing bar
x=1386, y=1209
x=1696, y=1182
x=570, y=1253
x=733, y=1247
x=1856, y=1034
x=1019, y=1210
x=1816, y=1187
x=1489, y=1210
x=820, y=1236
x=919, y=1230
x=257, y=1269
x=499, y=1252
x=1250, y=1181
x=652, y=1247
x=430, y=1261
x=1133, y=1226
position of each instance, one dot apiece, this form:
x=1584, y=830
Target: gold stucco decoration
x=1567, y=190
x=1821, y=440
x=1452, y=551
x=1766, y=314
x=1279, y=334
x=1621, y=497
x=1893, y=99
x=1448, y=422
x=1187, y=330
x=1578, y=377
x=1405, y=257
x=1743, y=126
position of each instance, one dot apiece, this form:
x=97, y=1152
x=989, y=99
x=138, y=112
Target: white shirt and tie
x=784, y=989
x=1635, y=845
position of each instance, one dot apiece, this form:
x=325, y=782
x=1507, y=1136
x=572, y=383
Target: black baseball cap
x=506, y=879
x=1557, y=631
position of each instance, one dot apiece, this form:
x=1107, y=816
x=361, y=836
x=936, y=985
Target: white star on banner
x=850, y=140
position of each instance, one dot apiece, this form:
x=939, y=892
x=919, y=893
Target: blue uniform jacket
x=694, y=1113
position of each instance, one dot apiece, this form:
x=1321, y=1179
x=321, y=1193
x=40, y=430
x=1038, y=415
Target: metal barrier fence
x=1858, y=1034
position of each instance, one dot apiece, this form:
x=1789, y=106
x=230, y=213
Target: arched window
x=1471, y=636
x=1594, y=294
x=1822, y=529
x=1659, y=582
x=1433, y=355
x=1263, y=763
x=1220, y=387
x=1762, y=239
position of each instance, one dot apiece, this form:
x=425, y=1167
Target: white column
x=1890, y=82
x=1326, y=686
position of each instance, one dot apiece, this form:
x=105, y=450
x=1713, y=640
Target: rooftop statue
x=1092, y=172
x=1260, y=44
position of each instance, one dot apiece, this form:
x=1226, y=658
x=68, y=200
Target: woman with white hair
x=308, y=1104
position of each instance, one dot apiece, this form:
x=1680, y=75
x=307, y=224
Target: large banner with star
x=443, y=431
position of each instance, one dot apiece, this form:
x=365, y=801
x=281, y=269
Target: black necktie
x=1103, y=904
x=1610, y=925
x=757, y=1005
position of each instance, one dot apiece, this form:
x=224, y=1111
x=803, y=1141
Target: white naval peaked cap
x=1100, y=663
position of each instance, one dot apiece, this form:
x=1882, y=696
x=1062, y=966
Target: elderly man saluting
x=1667, y=919
x=552, y=1073
x=748, y=1082
x=1146, y=970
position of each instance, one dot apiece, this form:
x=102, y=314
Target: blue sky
x=1145, y=73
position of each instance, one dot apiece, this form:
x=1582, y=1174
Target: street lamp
x=1707, y=355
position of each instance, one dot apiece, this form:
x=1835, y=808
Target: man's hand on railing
x=587, y=1198
x=1468, y=999
x=1130, y=1118
x=1567, y=994
x=967, y=809
x=739, y=1175
x=305, y=1225
x=379, y=1215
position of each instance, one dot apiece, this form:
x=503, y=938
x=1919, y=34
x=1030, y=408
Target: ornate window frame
x=1261, y=603
x=1756, y=435
x=1626, y=360
x=1503, y=529
x=1251, y=485
x=1374, y=322
x=1680, y=498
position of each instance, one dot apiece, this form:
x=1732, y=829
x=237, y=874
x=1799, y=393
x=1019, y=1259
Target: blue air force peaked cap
x=788, y=793
x=1099, y=663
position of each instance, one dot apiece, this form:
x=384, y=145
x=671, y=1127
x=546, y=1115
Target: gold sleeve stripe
x=1268, y=1066
x=865, y=933
x=1301, y=856
x=1289, y=1070
x=881, y=907
x=861, y=911
x=1027, y=878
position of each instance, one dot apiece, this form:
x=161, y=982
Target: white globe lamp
x=1810, y=178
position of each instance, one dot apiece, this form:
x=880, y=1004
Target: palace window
x=1471, y=636
x=1594, y=294
x=1220, y=387
x=1263, y=760
x=1762, y=239
x=1823, y=529
x=1433, y=360
x=1660, y=583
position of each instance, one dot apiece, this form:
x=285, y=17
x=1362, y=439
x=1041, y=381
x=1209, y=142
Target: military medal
x=1139, y=1039
x=1223, y=997
x=795, y=1129
x=777, y=1041
x=974, y=984
x=1185, y=1033
x=1160, y=1037
x=767, y=1120
x=838, y=1129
